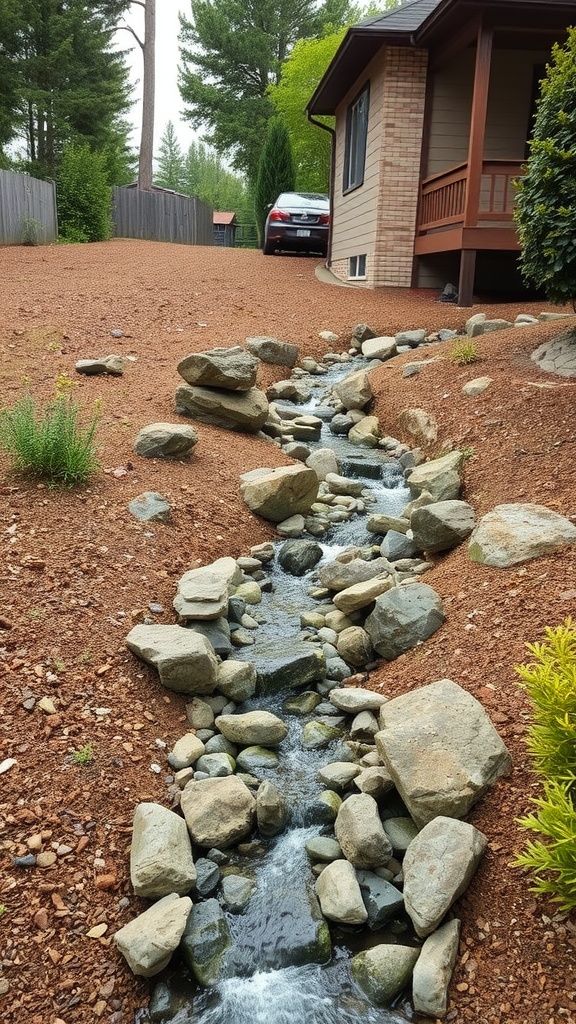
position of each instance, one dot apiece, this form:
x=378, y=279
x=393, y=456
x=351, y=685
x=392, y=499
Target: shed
x=224, y=228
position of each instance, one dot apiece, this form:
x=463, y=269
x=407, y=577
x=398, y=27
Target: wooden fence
x=27, y=210
x=160, y=216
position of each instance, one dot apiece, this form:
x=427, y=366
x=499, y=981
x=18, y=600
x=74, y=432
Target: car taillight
x=279, y=215
x=324, y=218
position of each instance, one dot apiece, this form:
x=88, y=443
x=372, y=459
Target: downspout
x=332, y=132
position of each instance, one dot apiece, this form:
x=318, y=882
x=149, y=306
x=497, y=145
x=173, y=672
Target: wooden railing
x=443, y=195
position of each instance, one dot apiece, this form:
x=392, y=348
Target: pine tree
x=546, y=201
x=170, y=168
x=275, y=171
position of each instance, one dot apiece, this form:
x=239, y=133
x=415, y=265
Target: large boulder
x=279, y=493
x=360, y=595
x=514, y=533
x=360, y=832
x=365, y=433
x=441, y=749
x=233, y=369
x=299, y=556
x=236, y=410
x=218, y=812
x=419, y=424
x=433, y=971
x=185, y=660
x=254, y=728
x=339, y=575
x=354, y=391
x=382, y=900
x=203, y=593
x=438, y=867
x=383, y=971
x=160, y=855
x=323, y=461
x=440, y=478
x=148, y=942
x=165, y=440
x=441, y=525
x=339, y=893
x=288, y=663
x=206, y=941
x=271, y=810
x=403, y=618
x=270, y=350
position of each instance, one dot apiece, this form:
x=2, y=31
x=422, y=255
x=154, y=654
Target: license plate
x=303, y=233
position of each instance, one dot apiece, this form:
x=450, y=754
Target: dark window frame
x=357, y=116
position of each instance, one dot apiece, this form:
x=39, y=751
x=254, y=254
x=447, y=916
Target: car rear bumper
x=284, y=236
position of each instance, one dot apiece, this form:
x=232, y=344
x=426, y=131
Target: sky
x=167, y=102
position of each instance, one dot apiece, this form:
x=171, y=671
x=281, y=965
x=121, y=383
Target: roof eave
x=358, y=39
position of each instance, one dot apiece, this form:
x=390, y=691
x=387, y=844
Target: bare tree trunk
x=147, y=137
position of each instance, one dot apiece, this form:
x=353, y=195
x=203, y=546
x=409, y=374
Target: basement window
x=357, y=268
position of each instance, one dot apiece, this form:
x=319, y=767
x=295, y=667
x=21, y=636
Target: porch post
x=475, y=156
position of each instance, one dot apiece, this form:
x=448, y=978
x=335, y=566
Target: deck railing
x=443, y=195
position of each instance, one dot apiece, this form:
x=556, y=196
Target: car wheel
x=268, y=248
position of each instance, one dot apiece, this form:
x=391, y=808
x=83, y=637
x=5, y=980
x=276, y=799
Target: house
x=224, y=228
x=434, y=102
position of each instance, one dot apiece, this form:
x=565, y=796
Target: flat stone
x=355, y=699
x=433, y=971
x=185, y=660
x=160, y=854
x=165, y=440
x=148, y=942
x=361, y=595
x=515, y=533
x=112, y=365
x=477, y=386
x=382, y=348
x=203, y=593
x=233, y=369
x=151, y=507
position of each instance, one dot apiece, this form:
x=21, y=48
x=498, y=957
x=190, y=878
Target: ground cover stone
x=185, y=660
x=165, y=440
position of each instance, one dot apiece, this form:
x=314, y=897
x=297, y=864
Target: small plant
x=86, y=656
x=31, y=231
x=49, y=443
x=550, y=682
x=83, y=755
x=466, y=451
x=463, y=353
x=59, y=665
x=3, y=909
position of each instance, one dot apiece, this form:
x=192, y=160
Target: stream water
x=260, y=984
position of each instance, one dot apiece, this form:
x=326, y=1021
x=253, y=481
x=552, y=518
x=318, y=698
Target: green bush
x=49, y=444
x=84, y=196
x=550, y=682
x=463, y=353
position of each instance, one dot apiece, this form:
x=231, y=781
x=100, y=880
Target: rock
x=165, y=440
x=322, y=809
x=280, y=493
x=233, y=369
x=302, y=703
x=400, y=832
x=150, y=507
x=236, y=891
x=360, y=595
x=397, y=545
x=185, y=661
x=322, y=461
x=216, y=632
x=382, y=523
x=442, y=525
x=487, y=327
x=339, y=893
x=218, y=812
x=362, y=332
x=217, y=765
x=433, y=971
x=199, y=714
x=250, y=591
x=288, y=391
x=383, y=971
x=317, y=735
x=419, y=424
x=236, y=410
x=297, y=450
x=299, y=556
x=366, y=433
x=473, y=322
x=382, y=348
x=207, y=876
x=203, y=593
x=354, y=391
x=375, y=781
x=338, y=774
x=364, y=727
x=270, y=350
x=438, y=867
x=148, y=942
x=259, y=728
x=292, y=527
x=185, y=752
x=342, y=485
x=353, y=699
x=411, y=338
x=403, y=618
x=111, y=365
x=160, y=854
x=289, y=664
x=441, y=750
x=271, y=810
x=514, y=533
x=236, y=680
x=440, y=477
x=475, y=387
x=206, y=941
x=322, y=848
x=360, y=833
x=354, y=646
x=382, y=900
x=338, y=575
x=252, y=759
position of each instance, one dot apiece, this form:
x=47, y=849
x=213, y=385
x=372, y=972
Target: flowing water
x=263, y=981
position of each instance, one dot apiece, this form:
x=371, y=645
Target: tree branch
x=127, y=28
x=140, y=3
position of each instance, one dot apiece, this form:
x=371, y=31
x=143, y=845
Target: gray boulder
x=280, y=493
x=185, y=660
x=299, y=556
x=514, y=533
x=270, y=350
x=383, y=347
x=339, y=893
x=236, y=891
x=354, y=391
x=151, y=507
x=400, y=832
x=383, y=971
x=359, y=831
x=148, y=942
x=288, y=664
x=433, y=971
x=322, y=461
x=206, y=941
x=338, y=774
x=442, y=525
x=403, y=618
x=440, y=477
x=365, y=433
x=260, y=728
x=419, y=424
x=375, y=780
x=381, y=899
x=233, y=369
x=203, y=593
x=165, y=440
x=441, y=750
x=397, y=545
x=438, y=867
x=185, y=751
x=218, y=812
x=353, y=699
x=338, y=575
x=253, y=759
x=360, y=595
x=160, y=855
x=236, y=410
x=216, y=765
x=236, y=680
x=354, y=646
x=323, y=849
x=271, y=810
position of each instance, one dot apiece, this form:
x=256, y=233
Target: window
x=355, y=148
x=357, y=267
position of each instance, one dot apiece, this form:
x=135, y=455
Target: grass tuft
x=49, y=443
x=463, y=353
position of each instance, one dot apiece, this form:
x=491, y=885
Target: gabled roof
x=425, y=23
x=223, y=218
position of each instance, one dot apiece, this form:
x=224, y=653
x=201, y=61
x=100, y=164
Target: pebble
x=47, y=705
x=7, y=764
x=34, y=842
x=156, y=769
x=105, y=881
x=46, y=859
x=27, y=861
x=155, y=608
x=116, y=333
x=41, y=919
x=5, y=987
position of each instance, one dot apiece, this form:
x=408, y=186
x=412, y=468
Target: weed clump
x=463, y=353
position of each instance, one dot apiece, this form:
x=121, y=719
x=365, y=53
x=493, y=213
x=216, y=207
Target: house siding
x=378, y=218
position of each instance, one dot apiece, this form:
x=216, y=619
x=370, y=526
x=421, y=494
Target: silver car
x=299, y=222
